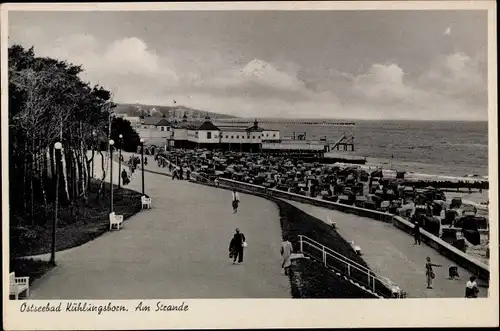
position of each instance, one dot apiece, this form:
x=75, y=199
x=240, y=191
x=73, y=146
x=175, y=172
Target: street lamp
x=111, y=143
x=120, y=160
x=57, y=147
x=142, y=162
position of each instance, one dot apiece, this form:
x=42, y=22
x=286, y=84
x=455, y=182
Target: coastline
x=424, y=169
x=411, y=174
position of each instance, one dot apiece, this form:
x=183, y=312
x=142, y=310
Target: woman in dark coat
x=236, y=247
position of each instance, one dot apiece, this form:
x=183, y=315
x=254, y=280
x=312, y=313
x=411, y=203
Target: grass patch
x=295, y=222
x=29, y=268
x=310, y=279
x=76, y=225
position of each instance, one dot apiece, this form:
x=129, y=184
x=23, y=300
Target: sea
x=427, y=147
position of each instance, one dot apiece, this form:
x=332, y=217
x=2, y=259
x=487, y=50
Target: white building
x=191, y=134
x=204, y=134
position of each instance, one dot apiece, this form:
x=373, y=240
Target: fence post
x=348, y=270
x=301, y=244
x=374, y=284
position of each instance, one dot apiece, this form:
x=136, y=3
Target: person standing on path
x=236, y=201
x=286, y=253
x=236, y=246
x=416, y=232
x=471, y=289
x=124, y=175
x=429, y=272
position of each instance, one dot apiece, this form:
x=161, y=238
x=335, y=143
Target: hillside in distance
x=169, y=111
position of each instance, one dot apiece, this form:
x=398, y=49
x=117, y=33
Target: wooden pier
x=345, y=143
x=240, y=121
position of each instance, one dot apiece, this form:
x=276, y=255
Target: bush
x=29, y=268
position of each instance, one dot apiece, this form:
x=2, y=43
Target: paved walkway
x=178, y=249
x=390, y=252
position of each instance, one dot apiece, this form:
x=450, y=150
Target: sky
x=421, y=65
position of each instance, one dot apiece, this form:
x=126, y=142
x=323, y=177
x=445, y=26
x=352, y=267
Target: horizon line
x=304, y=118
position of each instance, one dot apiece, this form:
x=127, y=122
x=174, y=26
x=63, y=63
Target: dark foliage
x=130, y=139
x=75, y=227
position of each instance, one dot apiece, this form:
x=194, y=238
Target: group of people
x=178, y=173
x=238, y=242
x=471, y=287
x=133, y=163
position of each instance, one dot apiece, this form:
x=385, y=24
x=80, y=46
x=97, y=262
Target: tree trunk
x=77, y=171
x=43, y=176
x=83, y=172
x=69, y=178
x=52, y=156
x=89, y=163
x=45, y=165
x=101, y=184
x=64, y=174
x=32, y=173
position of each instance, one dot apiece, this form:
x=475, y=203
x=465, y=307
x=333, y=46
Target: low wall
x=385, y=217
x=477, y=268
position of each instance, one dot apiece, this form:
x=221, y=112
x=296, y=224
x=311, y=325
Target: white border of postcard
x=267, y=313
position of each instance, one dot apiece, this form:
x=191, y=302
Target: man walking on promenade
x=175, y=174
x=416, y=232
x=286, y=253
x=236, y=201
x=236, y=246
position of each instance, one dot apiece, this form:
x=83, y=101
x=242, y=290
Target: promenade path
x=390, y=252
x=178, y=249
x=387, y=250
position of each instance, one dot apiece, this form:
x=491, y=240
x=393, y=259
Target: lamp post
x=142, y=164
x=111, y=143
x=57, y=147
x=120, y=142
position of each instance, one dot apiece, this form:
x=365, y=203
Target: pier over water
x=283, y=121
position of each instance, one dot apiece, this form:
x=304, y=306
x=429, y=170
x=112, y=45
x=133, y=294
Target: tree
x=48, y=102
x=130, y=137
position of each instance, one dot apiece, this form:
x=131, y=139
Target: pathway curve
x=387, y=250
x=390, y=252
x=178, y=249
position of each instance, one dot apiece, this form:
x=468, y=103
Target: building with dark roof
x=196, y=134
x=189, y=133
